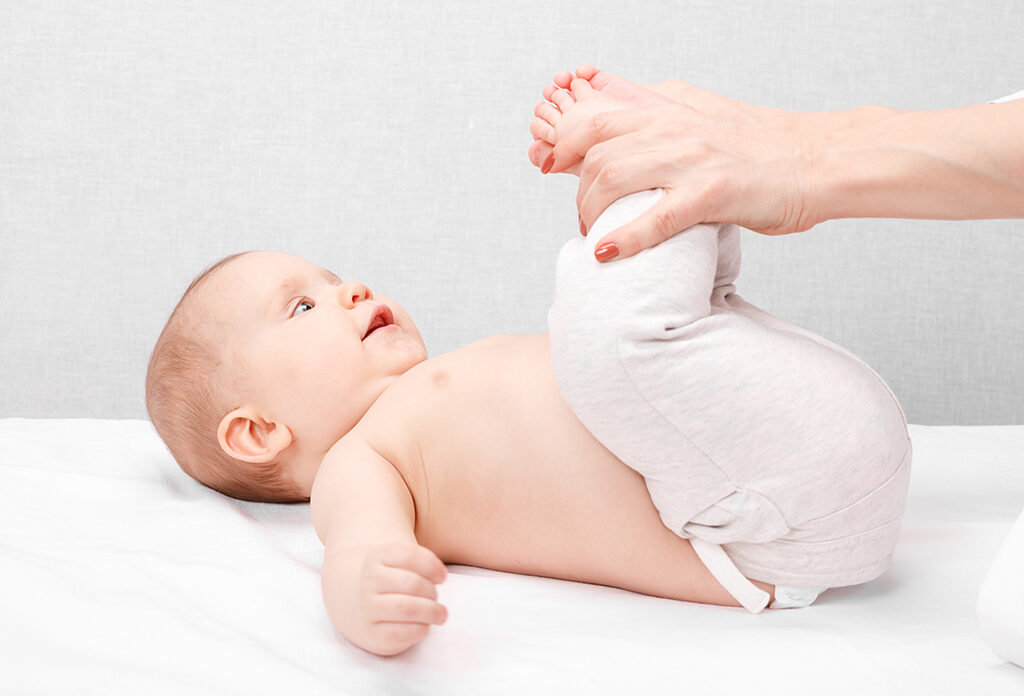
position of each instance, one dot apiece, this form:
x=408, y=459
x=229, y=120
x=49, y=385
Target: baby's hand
x=398, y=596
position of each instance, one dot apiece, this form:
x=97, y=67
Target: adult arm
x=776, y=173
x=950, y=164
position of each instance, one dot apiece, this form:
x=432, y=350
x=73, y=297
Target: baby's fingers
x=393, y=638
x=401, y=581
x=403, y=608
x=416, y=559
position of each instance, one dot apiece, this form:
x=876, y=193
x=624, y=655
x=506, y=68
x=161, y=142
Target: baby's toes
x=547, y=112
x=563, y=79
x=542, y=130
x=539, y=151
x=597, y=79
x=562, y=99
x=582, y=89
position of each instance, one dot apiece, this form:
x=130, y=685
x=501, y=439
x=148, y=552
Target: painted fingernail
x=583, y=228
x=548, y=163
x=607, y=251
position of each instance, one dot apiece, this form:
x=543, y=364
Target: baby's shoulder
x=439, y=388
x=495, y=340
x=394, y=421
x=389, y=425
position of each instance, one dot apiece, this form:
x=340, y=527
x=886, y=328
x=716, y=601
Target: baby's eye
x=303, y=306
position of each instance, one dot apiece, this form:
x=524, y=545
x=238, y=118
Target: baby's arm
x=378, y=583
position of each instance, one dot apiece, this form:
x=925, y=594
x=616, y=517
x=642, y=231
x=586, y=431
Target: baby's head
x=264, y=364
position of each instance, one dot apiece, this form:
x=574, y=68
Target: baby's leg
x=619, y=337
x=749, y=432
x=620, y=334
x=746, y=433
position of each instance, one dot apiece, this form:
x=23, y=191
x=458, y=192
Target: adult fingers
x=599, y=128
x=667, y=218
x=616, y=168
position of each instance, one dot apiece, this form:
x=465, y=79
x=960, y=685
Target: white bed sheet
x=122, y=575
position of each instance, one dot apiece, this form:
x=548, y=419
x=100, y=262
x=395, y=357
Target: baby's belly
x=524, y=487
x=580, y=515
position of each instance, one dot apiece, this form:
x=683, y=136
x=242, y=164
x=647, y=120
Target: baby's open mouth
x=381, y=317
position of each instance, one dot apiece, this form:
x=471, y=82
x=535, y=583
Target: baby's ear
x=244, y=435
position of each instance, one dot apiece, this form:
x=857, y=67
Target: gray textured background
x=140, y=141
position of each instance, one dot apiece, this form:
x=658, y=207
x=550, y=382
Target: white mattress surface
x=121, y=575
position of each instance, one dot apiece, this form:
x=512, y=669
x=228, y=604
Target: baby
x=275, y=380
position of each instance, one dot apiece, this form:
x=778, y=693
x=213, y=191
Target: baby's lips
x=379, y=317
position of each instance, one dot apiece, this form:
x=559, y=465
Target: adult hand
x=719, y=160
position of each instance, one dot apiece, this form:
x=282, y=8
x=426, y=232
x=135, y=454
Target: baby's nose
x=353, y=292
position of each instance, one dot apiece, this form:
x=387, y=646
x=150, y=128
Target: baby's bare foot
x=547, y=116
x=639, y=96
x=572, y=104
x=709, y=103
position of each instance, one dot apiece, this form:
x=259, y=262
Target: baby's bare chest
x=494, y=417
x=499, y=460
x=504, y=476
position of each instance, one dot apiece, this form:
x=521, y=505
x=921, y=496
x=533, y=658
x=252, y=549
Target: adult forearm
x=950, y=164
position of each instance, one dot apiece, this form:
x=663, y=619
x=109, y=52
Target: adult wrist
x=834, y=182
x=819, y=122
x=851, y=165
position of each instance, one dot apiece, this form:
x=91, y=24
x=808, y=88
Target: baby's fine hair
x=188, y=393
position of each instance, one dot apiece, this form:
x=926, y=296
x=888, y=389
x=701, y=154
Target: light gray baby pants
x=780, y=456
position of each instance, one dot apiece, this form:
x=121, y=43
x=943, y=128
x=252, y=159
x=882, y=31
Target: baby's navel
x=441, y=378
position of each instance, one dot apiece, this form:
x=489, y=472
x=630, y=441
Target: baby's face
x=307, y=351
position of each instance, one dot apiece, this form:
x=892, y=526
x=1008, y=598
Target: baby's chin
x=417, y=349
x=418, y=357
x=412, y=353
